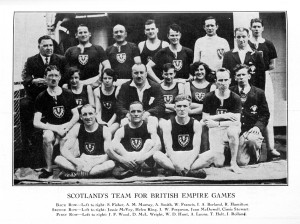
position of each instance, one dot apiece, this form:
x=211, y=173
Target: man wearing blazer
x=143, y=90
x=34, y=82
x=243, y=54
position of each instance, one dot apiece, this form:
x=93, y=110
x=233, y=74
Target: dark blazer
x=35, y=68
x=128, y=94
x=255, y=110
x=231, y=59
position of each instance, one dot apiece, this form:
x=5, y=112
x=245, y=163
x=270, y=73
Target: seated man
x=182, y=140
x=255, y=116
x=134, y=145
x=93, y=141
x=221, y=114
x=55, y=113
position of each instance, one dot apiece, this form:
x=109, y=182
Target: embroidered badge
x=221, y=111
x=121, y=57
x=58, y=111
x=136, y=143
x=168, y=98
x=107, y=104
x=254, y=109
x=177, y=64
x=83, y=58
x=89, y=147
x=220, y=52
x=79, y=102
x=184, y=140
x=199, y=96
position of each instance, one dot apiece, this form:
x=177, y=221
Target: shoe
x=169, y=173
x=45, y=174
x=273, y=153
x=122, y=173
x=67, y=175
x=197, y=174
x=149, y=172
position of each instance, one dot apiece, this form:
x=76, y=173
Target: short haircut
x=210, y=17
x=150, y=21
x=208, y=71
x=88, y=105
x=51, y=68
x=239, y=67
x=168, y=66
x=136, y=102
x=174, y=27
x=110, y=72
x=139, y=64
x=256, y=20
x=45, y=37
x=182, y=97
x=240, y=29
x=83, y=25
x=222, y=70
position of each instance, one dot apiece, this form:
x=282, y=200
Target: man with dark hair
x=122, y=54
x=34, y=82
x=181, y=57
x=86, y=56
x=243, y=54
x=210, y=49
x=182, y=140
x=152, y=45
x=93, y=140
x=134, y=145
x=269, y=53
x=255, y=116
x=55, y=113
x=143, y=90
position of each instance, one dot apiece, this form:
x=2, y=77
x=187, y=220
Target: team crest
x=254, y=109
x=199, y=96
x=184, y=140
x=168, y=98
x=58, y=111
x=79, y=102
x=83, y=58
x=121, y=57
x=221, y=111
x=107, y=105
x=89, y=147
x=177, y=64
x=252, y=69
x=136, y=143
x=220, y=52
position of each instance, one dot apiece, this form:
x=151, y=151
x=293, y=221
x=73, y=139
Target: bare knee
x=149, y=143
x=157, y=156
x=219, y=160
x=233, y=133
x=59, y=160
x=110, y=164
x=48, y=137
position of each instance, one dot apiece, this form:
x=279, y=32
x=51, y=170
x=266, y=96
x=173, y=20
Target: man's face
x=74, y=80
x=174, y=37
x=182, y=108
x=242, y=77
x=52, y=78
x=241, y=38
x=223, y=80
x=107, y=80
x=139, y=75
x=88, y=116
x=46, y=47
x=136, y=112
x=210, y=27
x=257, y=29
x=169, y=76
x=83, y=35
x=119, y=33
x=151, y=31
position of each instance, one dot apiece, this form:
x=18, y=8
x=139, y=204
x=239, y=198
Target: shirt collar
x=248, y=49
x=246, y=90
x=146, y=86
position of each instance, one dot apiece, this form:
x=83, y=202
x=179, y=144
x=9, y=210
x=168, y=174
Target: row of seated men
x=147, y=127
x=155, y=54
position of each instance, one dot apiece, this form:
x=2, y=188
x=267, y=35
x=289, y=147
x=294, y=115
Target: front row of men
x=236, y=116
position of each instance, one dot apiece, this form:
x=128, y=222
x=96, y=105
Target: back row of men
x=156, y=55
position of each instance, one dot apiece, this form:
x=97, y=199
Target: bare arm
x=272, y=64
x=119, y=135
x=90, y=95
x=98, y=104
x=151, y=73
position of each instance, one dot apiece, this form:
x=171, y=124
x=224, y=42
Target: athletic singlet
x=198, y=94
x=108, y=105
x=134, y=138
x=91, y=143
x=182, y=135
x=81, y=98
x=147, y=55
x=169, y=95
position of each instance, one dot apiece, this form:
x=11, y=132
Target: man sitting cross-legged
x=182, y=138
x=93, y=140
x=134, y=145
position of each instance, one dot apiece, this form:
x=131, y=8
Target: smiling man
x=181, y=57
x=134, y=145
x=86, y=56
x=210, y=49
x=55, y=113
x=93, y=142
x=122, y=54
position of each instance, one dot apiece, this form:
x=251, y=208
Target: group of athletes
x=131, y=109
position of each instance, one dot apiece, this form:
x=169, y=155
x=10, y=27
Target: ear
x=76, y=35
x=217, y=27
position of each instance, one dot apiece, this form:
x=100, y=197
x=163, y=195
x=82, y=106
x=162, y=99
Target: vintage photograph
x=150, y=98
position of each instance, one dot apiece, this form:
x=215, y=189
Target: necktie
x=46, y=61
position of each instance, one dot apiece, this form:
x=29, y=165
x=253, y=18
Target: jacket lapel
x=236, y=57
